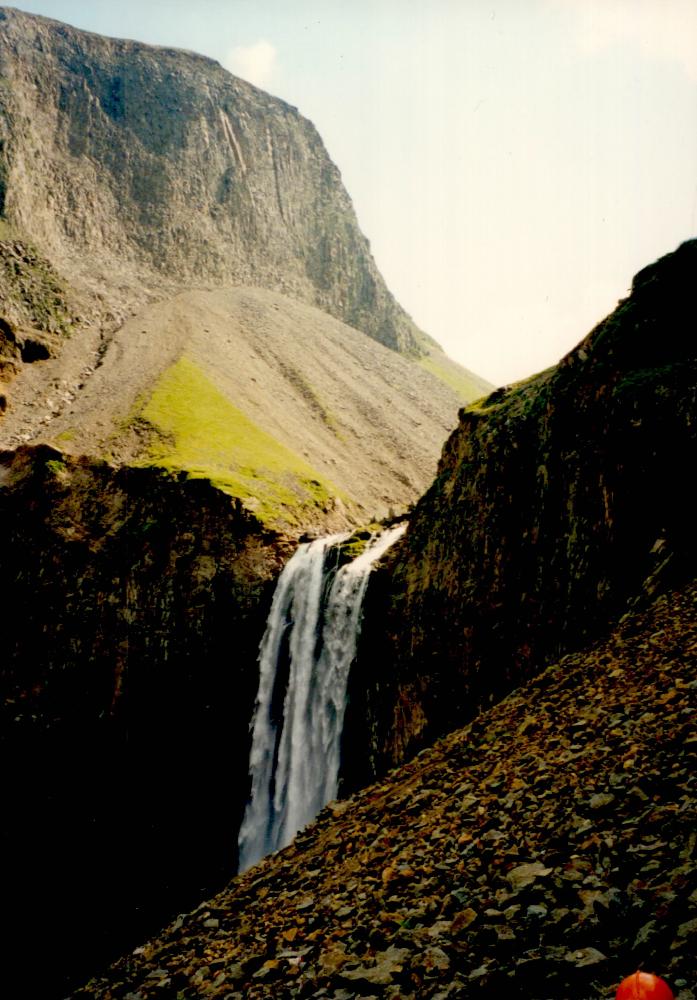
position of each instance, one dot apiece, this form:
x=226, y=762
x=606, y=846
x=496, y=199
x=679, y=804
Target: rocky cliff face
x=558, y=504
x=146, y=169
x=129, y=632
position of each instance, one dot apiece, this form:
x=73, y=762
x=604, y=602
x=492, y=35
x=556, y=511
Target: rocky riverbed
x=544, y=851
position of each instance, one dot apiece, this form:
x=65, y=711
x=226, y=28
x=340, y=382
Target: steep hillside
x=545, y=851
x=558, y=504
x=308, y=421
x=39, y=312
x=144, y=170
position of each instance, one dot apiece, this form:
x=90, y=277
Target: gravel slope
x=370, y=420
x=545, y=851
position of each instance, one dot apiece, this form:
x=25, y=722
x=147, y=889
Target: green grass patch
x=467, y=387
x=201, y=433
x=56, y=467
x=66, y=436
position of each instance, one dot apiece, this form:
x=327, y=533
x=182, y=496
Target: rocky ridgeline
x=558, y=504
x=543, y=852
x=142, y=169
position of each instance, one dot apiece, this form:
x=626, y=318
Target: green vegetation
x=355, y=545
x=66, y=436
x=198, y=431
x=466, y=386
x=526, y=398
x=56, y=467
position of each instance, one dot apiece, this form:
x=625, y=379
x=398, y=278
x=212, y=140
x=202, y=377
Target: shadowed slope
x=545, y=850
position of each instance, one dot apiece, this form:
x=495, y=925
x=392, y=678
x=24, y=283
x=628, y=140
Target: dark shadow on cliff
x=129, y=673
x=560, y=503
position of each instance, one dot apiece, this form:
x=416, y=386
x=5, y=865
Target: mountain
x=145, y=170
x=199, y=364
x=138, y=187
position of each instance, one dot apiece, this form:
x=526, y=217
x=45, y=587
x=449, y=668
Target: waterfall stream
x=304, y=661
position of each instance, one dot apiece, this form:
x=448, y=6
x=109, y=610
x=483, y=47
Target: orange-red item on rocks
x=644, y=986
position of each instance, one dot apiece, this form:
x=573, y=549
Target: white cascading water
x=312, y=632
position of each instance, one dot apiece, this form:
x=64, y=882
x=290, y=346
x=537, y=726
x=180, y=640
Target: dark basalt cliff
x=145, y=169
x=559, y=503
x=129, y=633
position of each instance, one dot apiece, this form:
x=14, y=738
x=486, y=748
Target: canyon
x=201, y=367
x=199, y=364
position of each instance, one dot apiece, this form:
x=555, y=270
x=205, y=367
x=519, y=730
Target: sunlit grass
x=201, y=433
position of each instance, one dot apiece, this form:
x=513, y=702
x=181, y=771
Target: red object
x=644, y=986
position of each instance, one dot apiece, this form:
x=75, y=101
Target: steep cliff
x=559, y=503
x=130, y=629
x=147, y=169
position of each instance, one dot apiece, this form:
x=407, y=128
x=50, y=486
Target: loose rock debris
x=545, y=851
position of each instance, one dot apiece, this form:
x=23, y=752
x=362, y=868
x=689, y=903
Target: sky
x=512, y=162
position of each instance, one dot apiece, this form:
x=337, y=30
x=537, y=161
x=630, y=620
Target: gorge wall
x=559, y=503
x=130, y=628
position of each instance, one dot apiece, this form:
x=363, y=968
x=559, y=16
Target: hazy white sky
x=513, y=162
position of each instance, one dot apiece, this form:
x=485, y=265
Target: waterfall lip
x=312, y=634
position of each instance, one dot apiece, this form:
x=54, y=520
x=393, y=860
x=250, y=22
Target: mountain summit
x=144, y=169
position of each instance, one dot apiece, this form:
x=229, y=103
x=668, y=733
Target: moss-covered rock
x=558, y=504
x=32, y=294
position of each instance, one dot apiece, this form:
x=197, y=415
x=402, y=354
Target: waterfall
x=304, y=660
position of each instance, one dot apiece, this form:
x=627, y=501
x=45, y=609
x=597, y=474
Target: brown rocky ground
x=544, y=851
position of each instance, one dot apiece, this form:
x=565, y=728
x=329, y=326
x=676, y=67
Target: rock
x=462, y=920
x=524, y=875
x=585, y=956
x=601, y=800
x=387, y=964
x=434, y=960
